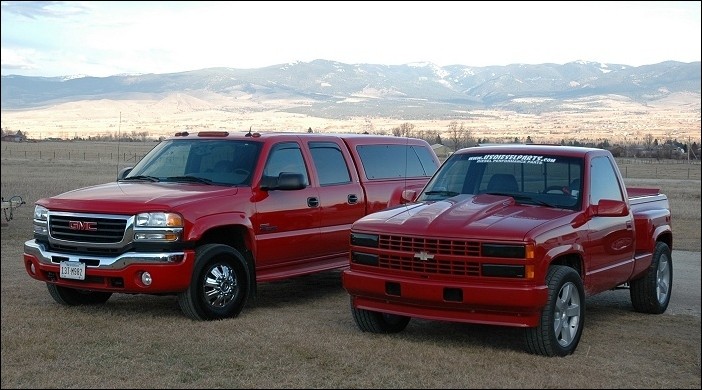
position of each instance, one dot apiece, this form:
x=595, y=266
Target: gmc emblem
x=79, y=225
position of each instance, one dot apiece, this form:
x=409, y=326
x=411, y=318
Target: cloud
x=46, y=9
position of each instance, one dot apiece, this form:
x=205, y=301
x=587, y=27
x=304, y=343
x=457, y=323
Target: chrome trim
x=38, y=250
x=127, y=237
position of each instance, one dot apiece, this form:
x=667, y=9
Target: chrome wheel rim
x=663, y=279
x=221, y=286
x=566, y=318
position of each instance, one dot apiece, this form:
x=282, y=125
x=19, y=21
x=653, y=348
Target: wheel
x=651, y=293
x=73, y=297
x=220, y=284
x=375, y=322
x=563, y=316
x=559, y=189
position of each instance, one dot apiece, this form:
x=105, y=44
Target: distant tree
x=309, y=130
x=528, y=140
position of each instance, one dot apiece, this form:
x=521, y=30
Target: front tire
x=563, y=316
x=376, y=322
x=220, y=284
x=74, y=297
x=651, y=293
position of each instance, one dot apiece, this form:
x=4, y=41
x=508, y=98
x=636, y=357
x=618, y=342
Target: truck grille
x=434, y=246
x=87, y=229
x=448, y=257
x=442, y=267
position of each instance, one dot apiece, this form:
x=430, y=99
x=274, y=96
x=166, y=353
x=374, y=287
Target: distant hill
x=411, y=91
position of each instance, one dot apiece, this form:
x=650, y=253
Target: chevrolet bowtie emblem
x=423, y=256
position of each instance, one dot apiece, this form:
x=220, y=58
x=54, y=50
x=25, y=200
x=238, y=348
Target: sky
x=103, y=38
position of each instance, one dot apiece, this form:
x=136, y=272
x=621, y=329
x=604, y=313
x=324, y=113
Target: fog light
x=32, y=269
x=146, y=278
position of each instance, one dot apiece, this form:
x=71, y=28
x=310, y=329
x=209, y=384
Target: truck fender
x=207, y=223
x=571, y=255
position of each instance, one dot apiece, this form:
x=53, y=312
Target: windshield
x=530, y=179
x=223, y=162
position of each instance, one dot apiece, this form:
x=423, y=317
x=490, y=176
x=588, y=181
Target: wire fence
x=131, y=153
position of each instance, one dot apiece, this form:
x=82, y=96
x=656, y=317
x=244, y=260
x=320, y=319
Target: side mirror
x=286, y=181
x=408, y=196
x=123, y=173
x=610, y=208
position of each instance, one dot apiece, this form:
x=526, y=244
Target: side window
x=329, y=162
x=285, y=157
x=603, y=181
x=396, y=161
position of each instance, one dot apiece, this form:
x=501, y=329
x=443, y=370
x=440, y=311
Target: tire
x=651, y=293
x=375, y=322
x=220, y=284
x=74, y=297
x=562, y=318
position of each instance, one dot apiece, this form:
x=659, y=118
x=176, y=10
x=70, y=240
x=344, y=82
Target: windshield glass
x=223, y=162
x=530, y=179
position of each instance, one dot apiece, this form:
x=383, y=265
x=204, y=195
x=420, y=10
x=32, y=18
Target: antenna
x=249, y=133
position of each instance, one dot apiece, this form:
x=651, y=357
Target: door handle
x=352, y=198
x=312, y=202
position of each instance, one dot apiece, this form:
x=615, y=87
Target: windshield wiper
x=442, y=192
x=141, y=177
x=522, y=197
x=189, y=179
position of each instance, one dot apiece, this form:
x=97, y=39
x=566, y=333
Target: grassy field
x=300, y=334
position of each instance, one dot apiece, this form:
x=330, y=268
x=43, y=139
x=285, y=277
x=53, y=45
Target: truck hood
x=479, y=217
x=134, y=197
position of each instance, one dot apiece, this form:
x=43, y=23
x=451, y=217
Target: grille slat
x=107, y=230
x=459, y=266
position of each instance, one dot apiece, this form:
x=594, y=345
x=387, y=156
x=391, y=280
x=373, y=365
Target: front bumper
x=492, y=303
x=170, y=271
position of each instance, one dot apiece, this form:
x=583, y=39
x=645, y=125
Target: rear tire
x=376, y=322
x=220, y=284
x=563, y=316
x=651, y=293
x=74, y=297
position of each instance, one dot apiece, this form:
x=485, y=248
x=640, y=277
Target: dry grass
x=301, y=334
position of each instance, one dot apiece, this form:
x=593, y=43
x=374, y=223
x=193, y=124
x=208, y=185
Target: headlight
x=41, y=213
x=158, y=220
x=367, y=240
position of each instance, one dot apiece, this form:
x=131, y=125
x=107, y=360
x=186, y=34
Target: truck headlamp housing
x=366, y=240
x=41, y=221
x=159, y=219
x=158, y=227
x=41, y=214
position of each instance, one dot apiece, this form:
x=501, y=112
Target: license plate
x=72, y=270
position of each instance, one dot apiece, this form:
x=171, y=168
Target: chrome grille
x=72, y=228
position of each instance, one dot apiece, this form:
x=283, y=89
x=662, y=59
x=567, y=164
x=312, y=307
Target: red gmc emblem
x=80, y=225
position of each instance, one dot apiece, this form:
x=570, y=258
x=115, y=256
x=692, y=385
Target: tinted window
x=396, y=161
x=534, y=179
x=285, y=157
x=218, y=161
x=603, y=181
x=330, y=163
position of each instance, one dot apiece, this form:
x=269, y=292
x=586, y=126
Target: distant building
x=17, y=137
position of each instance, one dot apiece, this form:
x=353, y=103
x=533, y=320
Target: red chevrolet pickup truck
x=513, y=235
x=208, y=215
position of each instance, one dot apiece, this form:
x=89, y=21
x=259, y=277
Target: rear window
x=396, y=161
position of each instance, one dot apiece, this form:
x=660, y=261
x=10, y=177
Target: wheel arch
x=240, y=238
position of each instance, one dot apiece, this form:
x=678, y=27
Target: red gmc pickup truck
x=207, y=216
x=513, y=235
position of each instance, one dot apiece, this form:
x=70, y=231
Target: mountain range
x=411, y=91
